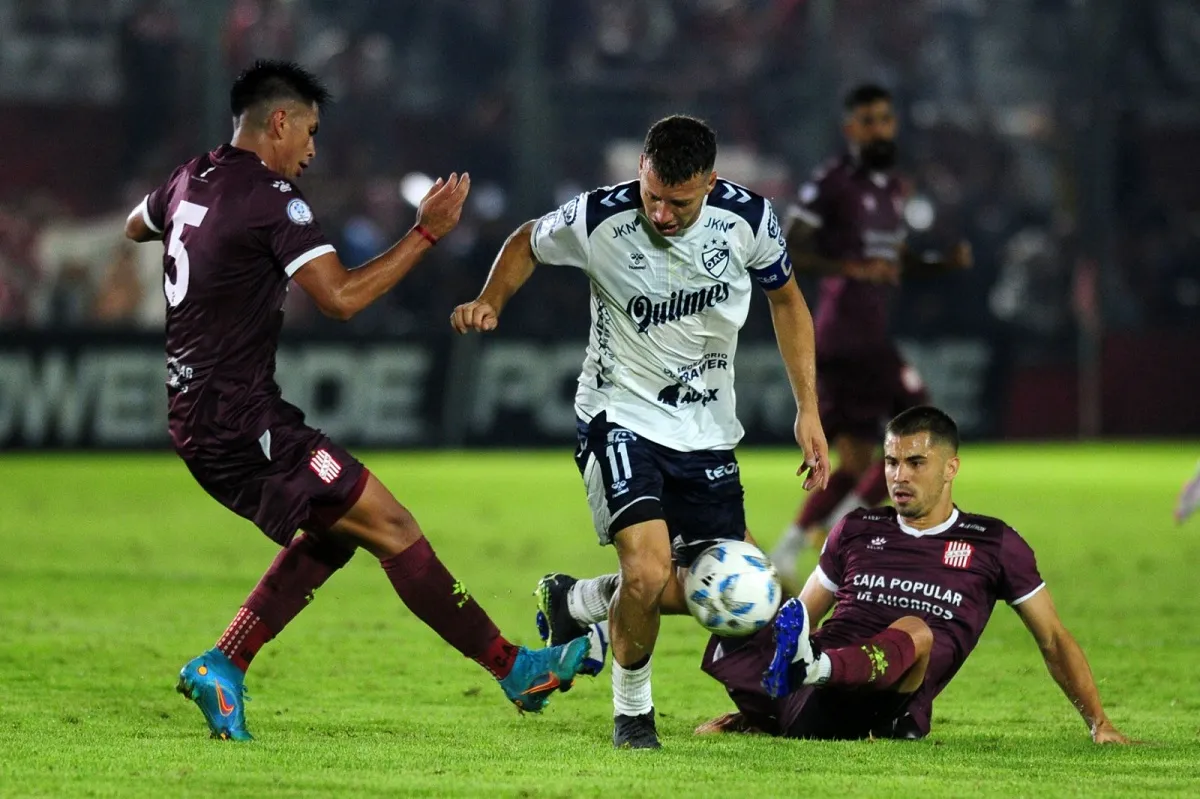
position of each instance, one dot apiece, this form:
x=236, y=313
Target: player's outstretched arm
x=513, y=266
x=1068, y=665
x=340, y=293
x=794, y=332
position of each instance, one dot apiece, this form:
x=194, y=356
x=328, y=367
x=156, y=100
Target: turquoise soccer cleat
x=217, y=688
x=537, y=673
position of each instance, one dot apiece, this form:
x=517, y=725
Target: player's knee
x=398, y=529
x=644, y=577
x=919, y=631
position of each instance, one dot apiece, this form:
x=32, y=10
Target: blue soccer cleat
x=217, y=688
x=793, y=647
x=537, y=673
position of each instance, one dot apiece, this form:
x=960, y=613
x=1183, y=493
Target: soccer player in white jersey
x=672, y=257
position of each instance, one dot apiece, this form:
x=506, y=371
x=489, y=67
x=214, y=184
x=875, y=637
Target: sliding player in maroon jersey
x=237, y=232
x=912, y=588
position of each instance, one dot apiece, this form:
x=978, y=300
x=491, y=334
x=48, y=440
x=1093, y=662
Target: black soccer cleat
x=554, y=621
x=635, y=732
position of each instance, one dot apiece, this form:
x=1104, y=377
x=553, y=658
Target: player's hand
x=1106, y=733
x=811, y=438
x=961, y=257
x=873, y=270
x=474, y=315
x=442, y=205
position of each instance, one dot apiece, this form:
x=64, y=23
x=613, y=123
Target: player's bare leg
x=644, y=551
x=385, y=528
x=812, y=524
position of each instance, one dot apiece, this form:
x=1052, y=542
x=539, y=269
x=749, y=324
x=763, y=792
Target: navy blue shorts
x=631, y=479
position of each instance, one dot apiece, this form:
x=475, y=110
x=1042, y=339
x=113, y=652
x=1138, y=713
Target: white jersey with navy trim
x=665, y=311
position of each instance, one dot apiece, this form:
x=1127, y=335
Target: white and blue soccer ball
x=732, y=589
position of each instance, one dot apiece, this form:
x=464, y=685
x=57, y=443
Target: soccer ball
x=732, y=589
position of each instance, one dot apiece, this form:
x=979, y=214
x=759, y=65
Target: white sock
x=588, y=600
x=788, y=549
x=631, y=690
x=792, y=536
x=851, y=501
x=818, y=673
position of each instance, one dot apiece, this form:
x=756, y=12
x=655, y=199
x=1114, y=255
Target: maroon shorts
x=296, y=478
x=859, y=393
x=811, y=712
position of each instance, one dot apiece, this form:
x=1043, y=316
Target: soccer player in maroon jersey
x=849, y=229
x=237, y=231
x=911, y=588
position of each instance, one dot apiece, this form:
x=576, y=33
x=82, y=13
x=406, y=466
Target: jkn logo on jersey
x=957, y=554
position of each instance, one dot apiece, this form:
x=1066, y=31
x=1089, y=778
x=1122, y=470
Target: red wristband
x=429, y=237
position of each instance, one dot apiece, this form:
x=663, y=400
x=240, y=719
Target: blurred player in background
x=849, y=229
x=237, y=231
x=672, y=258
x=912, y=588
x=1189, y=498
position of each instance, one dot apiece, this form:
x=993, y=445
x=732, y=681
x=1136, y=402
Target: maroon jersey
x=235, y=233
x=951, y=575
x=857, y=214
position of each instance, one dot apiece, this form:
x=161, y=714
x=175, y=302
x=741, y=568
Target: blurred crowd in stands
x=989, y=95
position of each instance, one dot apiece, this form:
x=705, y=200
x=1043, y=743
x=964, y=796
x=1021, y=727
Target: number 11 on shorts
x=613, y=451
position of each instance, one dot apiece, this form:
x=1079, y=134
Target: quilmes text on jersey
x=646, y=312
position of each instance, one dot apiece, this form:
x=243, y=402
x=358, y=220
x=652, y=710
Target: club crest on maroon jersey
x=957, y=554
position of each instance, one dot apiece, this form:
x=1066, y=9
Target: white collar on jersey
x=941, y=528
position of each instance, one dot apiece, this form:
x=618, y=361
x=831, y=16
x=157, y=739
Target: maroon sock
x=437, y=599
x=821, y=503
x=872, y=488
x=242, y=639
x=287, y=587
x=878, y=663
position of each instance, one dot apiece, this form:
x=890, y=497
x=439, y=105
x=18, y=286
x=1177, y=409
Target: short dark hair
x=865, y=94
x=681, y=147
x=926, y=419
x=271, y=81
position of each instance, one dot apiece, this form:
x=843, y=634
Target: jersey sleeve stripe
x=304, y=258
x=806, y=216
x=1030, y=595
x=145, y=209
x=824, y=580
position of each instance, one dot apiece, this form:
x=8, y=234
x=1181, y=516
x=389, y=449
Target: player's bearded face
x=918, y=472
x=671, y=209
x=871, y=130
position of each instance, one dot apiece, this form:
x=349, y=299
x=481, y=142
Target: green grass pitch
x=115, y=569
